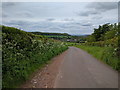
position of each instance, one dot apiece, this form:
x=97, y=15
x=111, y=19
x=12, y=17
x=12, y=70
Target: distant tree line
x=45, y=33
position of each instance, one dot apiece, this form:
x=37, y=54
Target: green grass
x=105, y=54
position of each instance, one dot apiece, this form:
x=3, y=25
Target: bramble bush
x=23, y=53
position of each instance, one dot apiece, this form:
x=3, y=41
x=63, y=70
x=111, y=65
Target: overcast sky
x=60, y=17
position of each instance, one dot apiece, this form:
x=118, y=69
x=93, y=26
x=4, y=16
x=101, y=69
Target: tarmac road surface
x=81, y=70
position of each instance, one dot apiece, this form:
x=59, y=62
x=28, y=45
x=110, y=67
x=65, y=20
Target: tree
x=91, y=38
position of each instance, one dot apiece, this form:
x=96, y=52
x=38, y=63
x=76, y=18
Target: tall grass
x=105, y=54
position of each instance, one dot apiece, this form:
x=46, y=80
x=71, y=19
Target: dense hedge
x=110, y=42
x=23, y=53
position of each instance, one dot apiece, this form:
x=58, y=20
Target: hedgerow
x=23, y=53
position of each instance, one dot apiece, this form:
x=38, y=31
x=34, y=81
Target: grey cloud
x=68, y=19
x=97, y=17
x=18, y=24
x=77, y=23
x=84, y=14
x=103, y=6
x=45, y=17
x=21, y=14
x=8, y=4
x=50, y=19
x=46, y=26
x=24, y=14
x=97, y=8
x=5, y=15
x=89, y=12
x=87, y=25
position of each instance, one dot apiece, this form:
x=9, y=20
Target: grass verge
x=104, y=54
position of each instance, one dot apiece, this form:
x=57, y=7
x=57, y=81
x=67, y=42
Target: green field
x=63, y=37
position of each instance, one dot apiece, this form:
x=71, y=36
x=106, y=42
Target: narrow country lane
x=81, y=70
x=74, y=68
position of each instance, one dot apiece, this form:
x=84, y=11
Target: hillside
x=54, y=34
x=64, y=37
